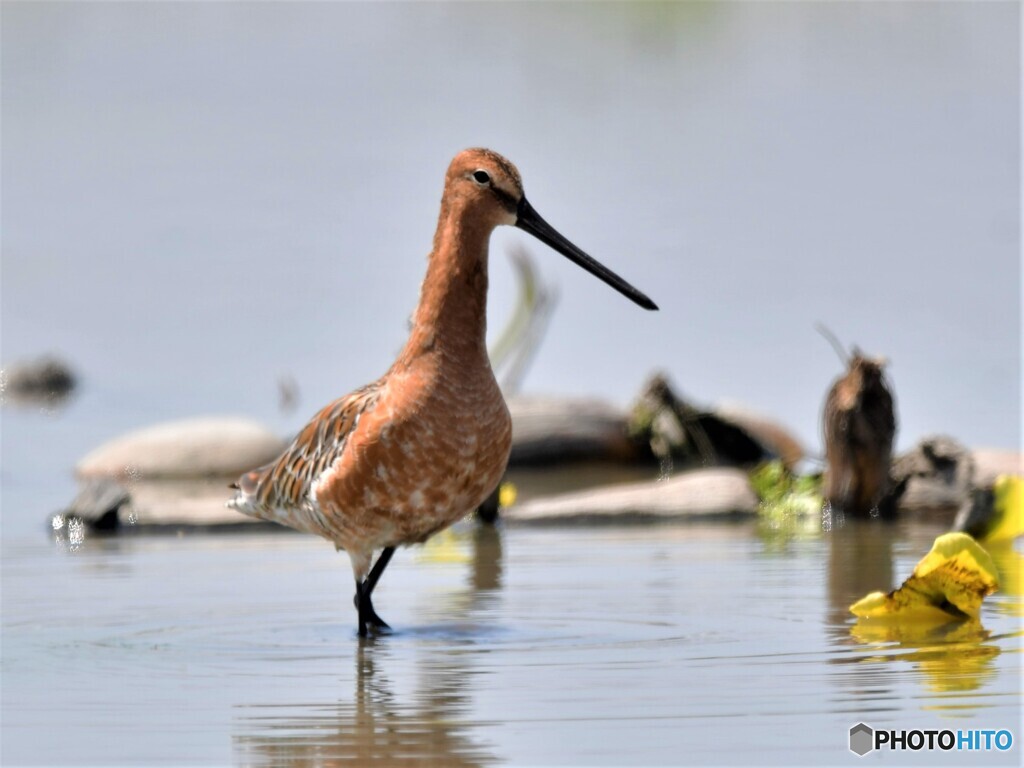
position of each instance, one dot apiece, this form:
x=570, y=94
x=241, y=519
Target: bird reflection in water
x=379, y=723
x=859, y=561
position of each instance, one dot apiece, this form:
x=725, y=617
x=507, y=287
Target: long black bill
x=530, y=221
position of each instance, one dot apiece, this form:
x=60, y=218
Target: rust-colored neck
x=452, y=313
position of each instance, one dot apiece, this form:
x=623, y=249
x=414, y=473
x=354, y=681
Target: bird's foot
x=369, y=622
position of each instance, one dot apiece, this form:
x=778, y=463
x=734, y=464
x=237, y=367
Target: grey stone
x=191, y=448
x=936, y=474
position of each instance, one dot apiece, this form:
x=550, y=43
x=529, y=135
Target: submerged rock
x=190, y=448
x=720, y=493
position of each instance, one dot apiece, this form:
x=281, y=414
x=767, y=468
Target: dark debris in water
x=47, y=381
x=682, y=435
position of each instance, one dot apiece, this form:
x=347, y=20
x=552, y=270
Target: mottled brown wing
x=286, y=482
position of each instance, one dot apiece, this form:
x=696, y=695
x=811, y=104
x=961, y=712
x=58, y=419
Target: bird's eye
x=482, y=177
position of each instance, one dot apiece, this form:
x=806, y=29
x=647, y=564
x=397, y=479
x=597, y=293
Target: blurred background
x=201, y=199
x=208, y=206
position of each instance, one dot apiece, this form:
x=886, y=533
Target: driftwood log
x=703, y=494
x=552, y=430
x=681, y=435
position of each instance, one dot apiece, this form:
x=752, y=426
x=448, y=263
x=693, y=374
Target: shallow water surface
x=654, y=644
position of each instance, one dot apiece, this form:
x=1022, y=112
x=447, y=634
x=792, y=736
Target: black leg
x=378, y=569
x=368, y=618
x=357, y=601
x=369, y=621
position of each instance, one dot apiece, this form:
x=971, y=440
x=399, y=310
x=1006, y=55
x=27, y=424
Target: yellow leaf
x=1008, y=508
x=949, y=582
x=507, y=495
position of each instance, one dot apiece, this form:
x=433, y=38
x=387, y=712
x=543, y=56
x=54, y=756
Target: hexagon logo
x=862, y=739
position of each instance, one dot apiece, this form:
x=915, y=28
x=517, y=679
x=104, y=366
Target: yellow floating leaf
x=949, y=582
x=507, y=495
x=899, y=604
x=1008, y=508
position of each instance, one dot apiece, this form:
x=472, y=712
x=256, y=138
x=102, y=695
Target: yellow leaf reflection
x=951, y=656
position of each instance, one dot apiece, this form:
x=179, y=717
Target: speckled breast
x=431, y=451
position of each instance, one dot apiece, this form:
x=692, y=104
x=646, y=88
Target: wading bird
x=406, y=456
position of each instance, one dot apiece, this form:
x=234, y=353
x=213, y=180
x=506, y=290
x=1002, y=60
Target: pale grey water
x=648, y=645
x=198, y=198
